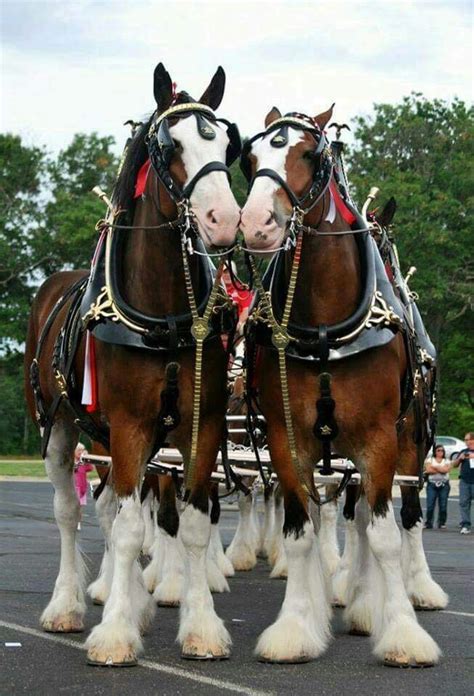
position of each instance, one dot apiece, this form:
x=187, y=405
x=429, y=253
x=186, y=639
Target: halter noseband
x=322, y=172
x=161, y=146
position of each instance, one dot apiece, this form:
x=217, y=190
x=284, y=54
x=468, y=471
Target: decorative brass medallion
x=200, y=328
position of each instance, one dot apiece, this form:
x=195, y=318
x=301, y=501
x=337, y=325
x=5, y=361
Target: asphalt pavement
x=55, y=664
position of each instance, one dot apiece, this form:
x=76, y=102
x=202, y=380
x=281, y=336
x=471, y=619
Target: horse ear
x=162, y=87
x=323, y=119
x=272, y=116
x=213, y=95
x=386, y=216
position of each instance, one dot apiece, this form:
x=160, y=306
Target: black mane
x=136, y=154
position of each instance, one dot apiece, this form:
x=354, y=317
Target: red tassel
x=340, y=205
x=92, y=407
x=142, y=177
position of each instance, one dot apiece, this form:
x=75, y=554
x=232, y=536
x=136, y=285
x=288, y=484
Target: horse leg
x=149, y=520
x=422, y=590
x=340, y=578
x=277, y=555
x=216, y=550
x=106, y=508
x=169, y=591
x=362, y=578
x=329, y=545
x=301, y=631
x=202, y=633
x=66, y=609
x=116, y=641
x=255, y=522
x=152, y=574
x=399, y=639
x=268, y=521
x=241, y=551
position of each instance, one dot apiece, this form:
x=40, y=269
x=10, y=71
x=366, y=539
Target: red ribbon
x=142, y=177
x=340, y=205
x=92, y=407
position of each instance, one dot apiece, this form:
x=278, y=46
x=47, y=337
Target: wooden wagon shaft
x=169, y=460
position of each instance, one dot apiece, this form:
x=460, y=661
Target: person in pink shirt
x=80, y=477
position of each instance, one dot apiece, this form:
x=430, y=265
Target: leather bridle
x=322, y=155
x=161, y=146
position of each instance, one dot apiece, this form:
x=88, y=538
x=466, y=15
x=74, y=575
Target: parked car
x=452, y=445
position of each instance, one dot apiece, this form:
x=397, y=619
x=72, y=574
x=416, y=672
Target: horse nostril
x=211, y=217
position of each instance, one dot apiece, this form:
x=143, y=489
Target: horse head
x=284, y=165
x=191, y=150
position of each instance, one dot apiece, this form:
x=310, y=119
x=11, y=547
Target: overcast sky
x=82, y=65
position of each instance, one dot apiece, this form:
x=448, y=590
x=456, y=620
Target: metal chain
x=280, y=340
x=200, y=330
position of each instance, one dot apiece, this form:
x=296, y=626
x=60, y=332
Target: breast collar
x=322, y=170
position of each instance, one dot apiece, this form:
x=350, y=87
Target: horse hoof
x=70, y=623
x=117, y=658
x=195, y=649
x=425, y=607
x=168, y=605
x=98, y=602
x=298, y=660
x=354, y=631
x=402, y=661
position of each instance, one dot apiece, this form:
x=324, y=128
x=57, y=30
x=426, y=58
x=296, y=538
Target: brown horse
x=188, y=148
x=294, y=194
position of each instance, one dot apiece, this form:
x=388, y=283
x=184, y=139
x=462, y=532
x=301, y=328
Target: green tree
x=73, y=211
x=420, y=151
x=23, y=174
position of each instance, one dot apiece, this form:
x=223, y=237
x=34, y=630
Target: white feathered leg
x=255, y=523
x=363, y=583
x=153, y=573
x=301, y=631
x=423, y=591
x=399, y=639
x=202, y=633
x=341, y=576
x=217, y=552
x=328, y=543
x=116, y=640
x=66, y=609
x=277, y=554
x=169, y=591
x=149, y=520
x=106, y=508
x=241, y=551
x=268, y=524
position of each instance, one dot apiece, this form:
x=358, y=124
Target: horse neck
x=153, y=273
x=329, y=282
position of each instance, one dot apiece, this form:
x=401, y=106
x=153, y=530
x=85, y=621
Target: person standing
x=466, y=482
x=437, y=468
x=80, y=477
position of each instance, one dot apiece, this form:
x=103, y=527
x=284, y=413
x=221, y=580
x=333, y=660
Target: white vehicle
x=452, y=445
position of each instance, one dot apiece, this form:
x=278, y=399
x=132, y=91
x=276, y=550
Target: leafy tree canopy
x=420, y=151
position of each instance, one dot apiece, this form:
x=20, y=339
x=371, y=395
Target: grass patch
x=15, y=467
